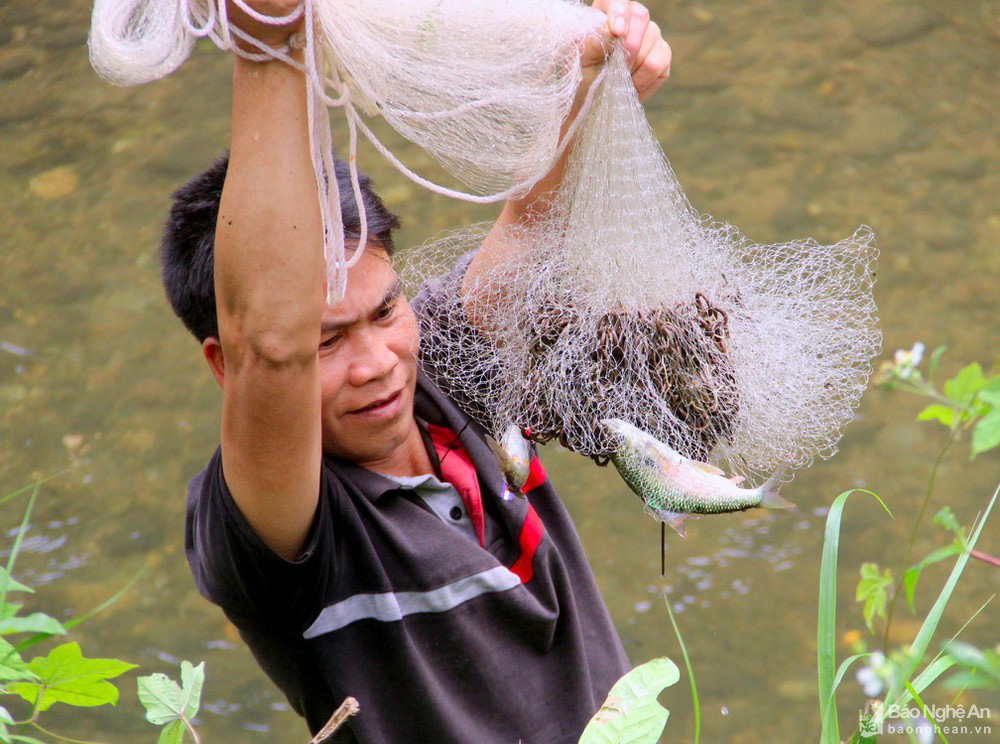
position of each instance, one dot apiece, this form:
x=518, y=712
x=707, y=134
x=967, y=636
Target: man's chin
x=369, y=441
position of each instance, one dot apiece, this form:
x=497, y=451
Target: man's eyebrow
x=390, y=295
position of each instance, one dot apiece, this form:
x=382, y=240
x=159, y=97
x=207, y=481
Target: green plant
x=64, y=675
x=904, y=684
x=969, y=400
x=631, y=712
x=171, y=705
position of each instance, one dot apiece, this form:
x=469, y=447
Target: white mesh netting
x=616, y=301
x=620, y=301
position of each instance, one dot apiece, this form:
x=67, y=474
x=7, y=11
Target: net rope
x=617, y=299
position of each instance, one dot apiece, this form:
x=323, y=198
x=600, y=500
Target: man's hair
x=188, y=245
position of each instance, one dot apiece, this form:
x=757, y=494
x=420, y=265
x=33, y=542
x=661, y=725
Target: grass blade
x=73, y=622
x=826, y=632
x=17, y=540
x=919, y=646
x=690, y=671
x=927, y=713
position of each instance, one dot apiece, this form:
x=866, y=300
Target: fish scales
x=674, y=495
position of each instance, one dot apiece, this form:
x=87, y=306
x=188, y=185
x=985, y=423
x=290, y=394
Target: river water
x=784, y=117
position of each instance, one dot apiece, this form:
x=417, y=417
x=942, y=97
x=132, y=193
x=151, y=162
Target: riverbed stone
x=895, y=23
x=68, y=37
x=880, y=130
x=55, y=183
x=16, y=63
x=794, y=109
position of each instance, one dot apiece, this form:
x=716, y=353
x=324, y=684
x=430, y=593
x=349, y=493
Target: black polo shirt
x=439, y=638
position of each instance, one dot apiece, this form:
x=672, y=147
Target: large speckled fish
x=514, y=458
x=675, y=488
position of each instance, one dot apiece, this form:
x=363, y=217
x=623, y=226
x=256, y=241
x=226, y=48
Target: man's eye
x=386, y=312
x=329, y=343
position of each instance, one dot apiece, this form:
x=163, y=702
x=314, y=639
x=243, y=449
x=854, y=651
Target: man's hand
x=648, y=54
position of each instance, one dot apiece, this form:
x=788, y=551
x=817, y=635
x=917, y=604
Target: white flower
x=868, y=676
x=907, y=361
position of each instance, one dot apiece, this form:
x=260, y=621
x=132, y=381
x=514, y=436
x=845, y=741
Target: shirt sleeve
x=235, y=569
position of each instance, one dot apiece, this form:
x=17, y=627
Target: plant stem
x=38, y=726
x=347, y=709
x=992, y=560
x=690, y=671
x=194, y=734
x=913, y=533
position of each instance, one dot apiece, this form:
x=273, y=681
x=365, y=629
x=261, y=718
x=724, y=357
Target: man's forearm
x=268, y=249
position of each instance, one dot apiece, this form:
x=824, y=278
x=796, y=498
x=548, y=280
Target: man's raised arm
x=649, y=59
x=269, y=290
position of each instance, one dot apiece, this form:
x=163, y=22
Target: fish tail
x=769, y=497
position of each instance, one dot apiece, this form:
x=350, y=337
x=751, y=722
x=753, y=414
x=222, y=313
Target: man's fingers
x=618, y=15
x=650, y=38
x=638, y=23
x=654, y=68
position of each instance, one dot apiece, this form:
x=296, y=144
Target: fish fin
x=670, y=453
x=498, y=452
x=707, y=468
x=674, y=519
x=770, y=498
x=737, y=479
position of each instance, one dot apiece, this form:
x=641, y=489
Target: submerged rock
x=895, y=24
x=55, y=183
x=15, y=63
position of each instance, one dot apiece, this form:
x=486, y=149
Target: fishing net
x=482, y=85
x=617, y=299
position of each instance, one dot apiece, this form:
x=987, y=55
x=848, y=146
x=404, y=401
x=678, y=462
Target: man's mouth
x=381, y=408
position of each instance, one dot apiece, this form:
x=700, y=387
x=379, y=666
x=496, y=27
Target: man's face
x=368, y=364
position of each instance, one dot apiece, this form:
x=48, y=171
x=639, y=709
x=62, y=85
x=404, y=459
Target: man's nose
x=373, y=359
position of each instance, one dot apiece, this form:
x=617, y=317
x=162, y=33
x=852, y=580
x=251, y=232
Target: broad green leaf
x=12, y=666
x=9, y=584
x=938, y=412
x=873, y=590
x=962, y=388
x=172, y=733
x=935, y=360
x=631, y=713
x=36, y=622
x=65, y=676
x=986, y=434
x=912, y=575
x=166, y=701
x=991, y=391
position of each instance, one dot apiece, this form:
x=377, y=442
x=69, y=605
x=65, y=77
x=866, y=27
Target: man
x=354, y=524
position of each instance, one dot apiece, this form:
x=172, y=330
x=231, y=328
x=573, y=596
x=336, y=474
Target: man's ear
x=212, y=350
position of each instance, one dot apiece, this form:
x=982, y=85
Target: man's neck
x=408, y=459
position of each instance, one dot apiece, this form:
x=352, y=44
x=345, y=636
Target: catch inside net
x=619, y=300
x=616, y=299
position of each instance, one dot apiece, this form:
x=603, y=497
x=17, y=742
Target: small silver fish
x=675, y=488
x=514, y=458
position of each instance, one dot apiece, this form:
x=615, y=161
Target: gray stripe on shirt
x=393, y=606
